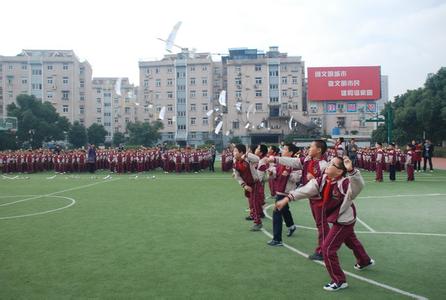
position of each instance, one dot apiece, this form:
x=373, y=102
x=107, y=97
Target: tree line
x=417, y=114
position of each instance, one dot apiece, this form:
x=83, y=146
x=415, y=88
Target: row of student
x=176, y=160
x=330, y=188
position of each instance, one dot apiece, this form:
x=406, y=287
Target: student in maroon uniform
x=338, y=192
x=312, y=166
x=410, y=162
x=246, y=175
x=379, y=162
x=392, y=161
x=284, y=180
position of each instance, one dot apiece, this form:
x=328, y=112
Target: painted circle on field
x=33, y=197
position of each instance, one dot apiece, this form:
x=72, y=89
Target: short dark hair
x=263, y=149
x=341, y=139
x=341, y=165
x=275, y=149
x=253, y=147
x=241, y=148
x=321, y=144
x=292, y=148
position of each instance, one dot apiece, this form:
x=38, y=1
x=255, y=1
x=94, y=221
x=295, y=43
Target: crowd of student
x=115, y=160
x=329, y=178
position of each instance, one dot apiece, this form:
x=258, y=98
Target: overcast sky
x=407, y=38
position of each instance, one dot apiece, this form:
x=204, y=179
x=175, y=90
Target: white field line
x=59, y=192
x=365, y=225
x=43, y=212
x=367, y=280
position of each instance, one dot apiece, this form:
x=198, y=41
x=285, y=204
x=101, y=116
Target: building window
x=36, y=72
x=259, y=107
x=81, y=110
x=127, y=110
x=192, y=94
x=205, y=121
x=24, y=81
x=98, y=110
x=65, y=80
x=65, y=95
x=258, y=80
x=158, y=82
x=193, y=135
x=238, y=94
x=98, y=100
x=258, y=93
x=205, y=93
x=181, y=114
x=284, y=80
x=170, y=135
x=170, y=107
x=273, y=86
x=204, y=68
x=24, y=66
x=258, y=68
x=82, y=83
x=192, y=68
x=274, y=73
x=204, y=80
x=193, y=121
x=274, y=99
x=192, y=81
x=49, y=67
x=284, y=93
x=49, y=95
x=146, y=83
x=294, y=80
x=36, y=86
x=65, y=108
x=169, y=70
x=157, y=95
x=238, y=80
x=283, y=67
x=169, y=81
x=169, y=122
x=157, y=70
x=204, y=107
x=169, y=95
x=235, y=125
x=65, y=67
x=295, y=94
x=193, y=107
x=181, y=127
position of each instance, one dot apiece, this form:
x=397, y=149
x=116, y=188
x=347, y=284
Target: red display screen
x=344, y=83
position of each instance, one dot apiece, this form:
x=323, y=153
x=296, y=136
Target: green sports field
x=184, y=237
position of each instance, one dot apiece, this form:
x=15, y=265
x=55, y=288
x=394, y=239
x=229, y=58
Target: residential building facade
x=55, y=76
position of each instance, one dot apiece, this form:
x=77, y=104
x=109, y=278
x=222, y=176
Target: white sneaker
x=333, y=287
x=360, y=268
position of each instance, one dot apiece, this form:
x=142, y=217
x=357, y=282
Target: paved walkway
x=438, y=163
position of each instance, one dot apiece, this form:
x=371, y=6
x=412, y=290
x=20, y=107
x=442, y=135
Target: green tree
x=235, y=140
x=77, y=136
x=96, y=134
x=118, y=138
x=37, y=122
x=145, y=134
x=418, y=113
x=7, y=140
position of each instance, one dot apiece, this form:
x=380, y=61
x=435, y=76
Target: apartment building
x=56, y=76
x=265, y=95
x=180, y=90
x=114, y=104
